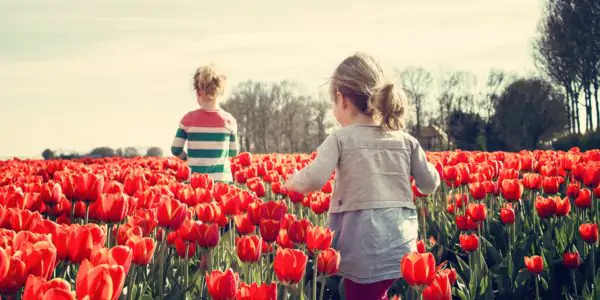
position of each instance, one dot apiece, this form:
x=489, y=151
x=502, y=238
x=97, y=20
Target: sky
x=82, y=74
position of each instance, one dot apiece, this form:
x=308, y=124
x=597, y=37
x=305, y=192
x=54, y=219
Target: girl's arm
x=234, y=144
x=316, y=174
x=426, y=176
x=179, y=142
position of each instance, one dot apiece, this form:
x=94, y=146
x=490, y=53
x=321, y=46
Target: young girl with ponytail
x=372, y=210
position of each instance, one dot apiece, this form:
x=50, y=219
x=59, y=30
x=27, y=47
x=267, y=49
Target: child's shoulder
x=366, y=134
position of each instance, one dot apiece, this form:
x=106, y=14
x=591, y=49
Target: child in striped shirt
x=210, y=132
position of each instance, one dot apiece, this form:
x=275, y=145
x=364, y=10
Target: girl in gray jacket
x=372, y=210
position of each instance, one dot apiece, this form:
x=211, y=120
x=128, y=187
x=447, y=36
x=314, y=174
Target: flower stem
x=594, y=288
x=537, y=287
x=324, y=280
x=574, y=283
x=314, y=283
x=87, y=212
x=131, y=283
x=161, y=266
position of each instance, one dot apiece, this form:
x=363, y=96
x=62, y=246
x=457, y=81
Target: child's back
x=210, y=135
x=374, y=169
x=210, y=132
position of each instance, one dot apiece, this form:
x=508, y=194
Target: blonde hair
x=361, y=79
x=210, y=81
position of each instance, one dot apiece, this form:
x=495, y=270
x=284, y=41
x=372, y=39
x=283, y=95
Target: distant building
x=432, y=138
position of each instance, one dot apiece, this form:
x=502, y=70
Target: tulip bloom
x=318, y=238
x=297, y=231
x=100, y=282
x=171, y=213
x=421, y=246
x=589, y=232
x=507, y=215
x=328, y=262
x=571, y=260
x=477, y=190
x=143, y=249
x=222, y=285
x=477, y=212
x=563, y=206
x=248, y=248
x=534, y=264
x=584, y=199
x=243, y=224
x=418, y=269
x=254, y=291
x=468, y=242
x=439, y=289
x=512, y=189
x=37, y=288
x=269, y=229
x=545, y=207
x=289, y=265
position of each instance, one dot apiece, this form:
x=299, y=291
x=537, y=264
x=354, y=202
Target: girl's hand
x=183, y=156
x=288, y=186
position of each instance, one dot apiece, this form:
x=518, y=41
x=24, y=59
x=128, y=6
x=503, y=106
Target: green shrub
x=587, y=141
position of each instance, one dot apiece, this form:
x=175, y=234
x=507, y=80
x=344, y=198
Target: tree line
x=101, y=152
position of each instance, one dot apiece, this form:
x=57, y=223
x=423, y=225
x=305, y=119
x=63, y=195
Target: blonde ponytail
x=389, y=107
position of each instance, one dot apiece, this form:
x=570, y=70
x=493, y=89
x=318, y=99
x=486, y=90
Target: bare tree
x=416, y=82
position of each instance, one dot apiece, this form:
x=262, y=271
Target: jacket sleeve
x=318, y=172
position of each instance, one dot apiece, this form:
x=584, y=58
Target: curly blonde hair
x=209, y=80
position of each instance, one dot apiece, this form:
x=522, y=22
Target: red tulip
x=243, y=224
x=257, y=292
x=507, y=215
x=571, y=260
x=143, y=249
x=203, y=181
x=328, y=262
x=289, y=265
x=477, y=212
x=439, y=289
x=545, y=207
x=468, y=242
x=269, y=229
x=477, y=190
x=171, y=213
x=532, y=181
x=421, y=246
x=563, y=206
x=297, y=231
x=465, y=223
x=4, y=264
x=512, y=189
x=222, y=285
x=99, y=282
x=248, y=248
x=534, y=264
x=584, y=199
x=209, y=235
x=418, y=269
x=37, y=288
x=551, y=184
x=573, y=190
x=118, y=255
x=318, y=238
x=589, y=232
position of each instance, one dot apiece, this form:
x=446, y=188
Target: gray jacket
x=373, y=169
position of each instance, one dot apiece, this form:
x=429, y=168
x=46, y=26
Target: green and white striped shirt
x=211, y=137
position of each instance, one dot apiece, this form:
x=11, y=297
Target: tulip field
x=501, y=226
